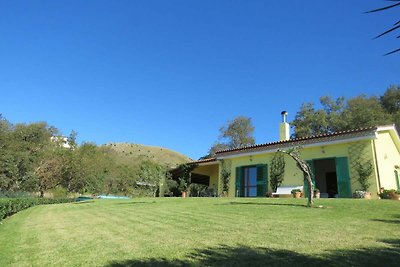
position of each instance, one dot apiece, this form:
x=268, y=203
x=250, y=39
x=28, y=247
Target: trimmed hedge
x=10, y=206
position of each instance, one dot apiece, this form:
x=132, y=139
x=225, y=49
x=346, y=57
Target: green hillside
x=134, y=153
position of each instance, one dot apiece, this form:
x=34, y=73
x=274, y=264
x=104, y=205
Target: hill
x=134, y=153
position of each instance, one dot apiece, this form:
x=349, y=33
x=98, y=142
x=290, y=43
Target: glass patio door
x=250, y=182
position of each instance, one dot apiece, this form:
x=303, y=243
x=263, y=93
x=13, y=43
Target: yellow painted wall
x=293, y=176
x=209, y=170
x=388, y=157
x=363, y=152
x=360, y=151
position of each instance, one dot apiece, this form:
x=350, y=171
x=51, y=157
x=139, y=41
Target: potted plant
x=317, y=193
x=394, y=194
x=389, y=194
x=362, y=194
x=296, y=193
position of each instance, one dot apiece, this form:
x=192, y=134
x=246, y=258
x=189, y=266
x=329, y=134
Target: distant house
x=62, y=141
x=332, y=157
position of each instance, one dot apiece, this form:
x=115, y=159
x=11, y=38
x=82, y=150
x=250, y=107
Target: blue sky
x=171, y=73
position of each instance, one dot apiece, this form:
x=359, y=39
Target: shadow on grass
x=247, y=256
x=133, y=203
x=395, y=221
x=83, y=202
x=263, y=204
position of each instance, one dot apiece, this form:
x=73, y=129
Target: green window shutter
x=239, y=178
x=311, y=164
x=262, y=180
x=396, y=175
x=343, y=177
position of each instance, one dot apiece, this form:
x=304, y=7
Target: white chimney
x=284, y=129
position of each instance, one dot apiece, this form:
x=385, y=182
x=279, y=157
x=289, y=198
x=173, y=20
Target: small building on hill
x=333, y=158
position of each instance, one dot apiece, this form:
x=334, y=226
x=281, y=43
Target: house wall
x=388, y=156
x=294, y=176
x=209, y=170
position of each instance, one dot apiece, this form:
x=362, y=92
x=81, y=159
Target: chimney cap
x=284, y=114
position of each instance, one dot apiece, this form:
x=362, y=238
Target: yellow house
x=332, y=157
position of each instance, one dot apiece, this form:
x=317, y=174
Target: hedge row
x=11, y=206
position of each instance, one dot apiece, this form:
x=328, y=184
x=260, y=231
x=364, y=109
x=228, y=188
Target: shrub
x=364, y=172
x=10, y=206
x=277, y=171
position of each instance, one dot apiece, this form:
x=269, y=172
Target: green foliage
x=277, y=171
x=199, y=190
x=340, y=114
x=237, y=133
x=364, y=171
x=184, y=179
x=294, y=191
x=36, y=158
x=151, y=175
x=388, y=193
x=11, y=206
x=225, y=174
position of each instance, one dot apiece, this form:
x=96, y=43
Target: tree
x=309, y=121
x=305, y=168
x=390, y=100
x=216, y=147
x=236, y=134
x=395, y=26
x=277, y=171
x=363, y=111
x=152, y=175
x=340, y=114
x=48, y=173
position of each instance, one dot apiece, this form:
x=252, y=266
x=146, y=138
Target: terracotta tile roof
x=300, y=141
x=202, y=161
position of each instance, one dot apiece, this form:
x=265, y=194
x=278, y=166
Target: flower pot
x=367, y=195
x=394, y=196
x=297, y=195
x=183, y=194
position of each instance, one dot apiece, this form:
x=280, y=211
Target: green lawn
x=204, y=232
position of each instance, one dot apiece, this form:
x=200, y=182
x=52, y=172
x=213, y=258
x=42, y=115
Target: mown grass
x=204, y=232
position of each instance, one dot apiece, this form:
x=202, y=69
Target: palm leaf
x=394, y=51
x=386, y=32
x=383, y=8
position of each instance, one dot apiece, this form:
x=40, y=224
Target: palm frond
x=386, y=32
x=394, y=51
x=383, y=8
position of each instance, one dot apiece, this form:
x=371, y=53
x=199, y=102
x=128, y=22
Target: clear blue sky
x=171, y=73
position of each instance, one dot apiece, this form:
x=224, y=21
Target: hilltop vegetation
x=35, y=158
x=134, y=153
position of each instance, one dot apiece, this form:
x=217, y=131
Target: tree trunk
x=303, y=166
